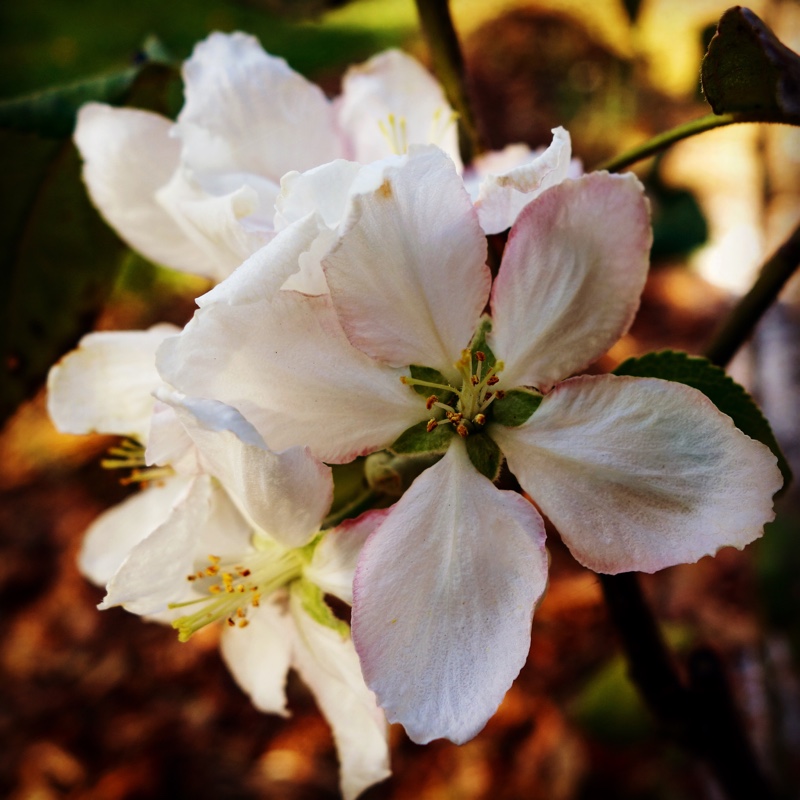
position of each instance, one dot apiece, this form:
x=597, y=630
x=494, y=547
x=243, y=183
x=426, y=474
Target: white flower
x=636, y=474
x=230, y=532
x=198, y=195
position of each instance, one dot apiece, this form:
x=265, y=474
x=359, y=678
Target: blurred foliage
x=58, y=259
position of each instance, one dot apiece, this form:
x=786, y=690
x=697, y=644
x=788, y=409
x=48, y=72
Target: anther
x=474, y=380
x=492, y=381
x=462, y=431
x=479, y=419
x=429, y=403
x=500, y=394
x=480, y=355
x=431, y=425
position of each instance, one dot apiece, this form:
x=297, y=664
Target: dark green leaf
x=417, y=439
x=58, y=262
x=58, y=259
x=479, y=343
x=516, y=407
x=747, y=68
x=430, y=375
x=484, y=454
x=727, y=395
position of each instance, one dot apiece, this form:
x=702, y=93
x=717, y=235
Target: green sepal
x=747, y=68
x=313, y=601
x=479, y=343
x=727, y=395
x=516, y=407
x=427, y=374
x=416, y=439
x=484, y=454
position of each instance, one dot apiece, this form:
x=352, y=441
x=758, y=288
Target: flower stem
x=448, y=63
x=685, y=131
x=739, y=324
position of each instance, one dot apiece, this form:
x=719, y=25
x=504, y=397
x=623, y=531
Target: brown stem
x=448, y=63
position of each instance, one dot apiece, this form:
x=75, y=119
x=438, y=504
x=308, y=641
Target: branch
x=687, y=130
x=448, y=63
x=744, y=317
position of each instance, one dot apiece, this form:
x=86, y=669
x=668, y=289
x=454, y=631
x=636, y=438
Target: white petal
x=154, y=574
x=285, y=494
x=444, y=594
x=507, y=187
x=106, y=384
x=128, y=156
x=334, y=561
x=247, y=111
x=324, y=190
x=329, y=666
x=258, y=655
x=393, y=83
x=572, y=273
x=283, y=361
x=409, y=278
x=640, y=473
x=227, y=228
x=118, y=530
x=169, y=444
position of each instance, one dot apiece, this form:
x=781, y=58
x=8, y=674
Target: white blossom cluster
x=354, y=313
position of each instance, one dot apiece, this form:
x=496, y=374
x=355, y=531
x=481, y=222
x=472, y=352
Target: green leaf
x=484, y=454
x=479, y=343
x=727, y=395
x=430, y=375
x=417, y=439
x=58, y=259
x=747, y=68
x=516, y=407
x=313, y=602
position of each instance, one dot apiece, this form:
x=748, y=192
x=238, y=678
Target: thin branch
x=708, y=123
x=739, y=324
x=448, y=63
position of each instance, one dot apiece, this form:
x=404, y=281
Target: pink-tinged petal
x=334, y=561
x=515, y=176
x=106, y=384
x=118, y=530
x=227, y=228
x=394, y=86
x=329, y=666
x=283, y=361
x=259, y=655
x=128, y=156
x=444, y=595
x=285, y=494
x=408, y=277
x=640, y=474
x=572, y=273
x=247, y=111
x=154, y=574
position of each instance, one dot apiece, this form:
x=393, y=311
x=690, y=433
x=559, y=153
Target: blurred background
x=103, y=706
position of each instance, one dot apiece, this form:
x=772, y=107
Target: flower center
x=464, y=408
x=232, y=588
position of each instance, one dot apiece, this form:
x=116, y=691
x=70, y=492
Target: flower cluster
x=356, y=314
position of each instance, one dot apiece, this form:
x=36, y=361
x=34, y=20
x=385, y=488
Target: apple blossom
x=226, y=530
x=198, y=194
x=635, y=473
